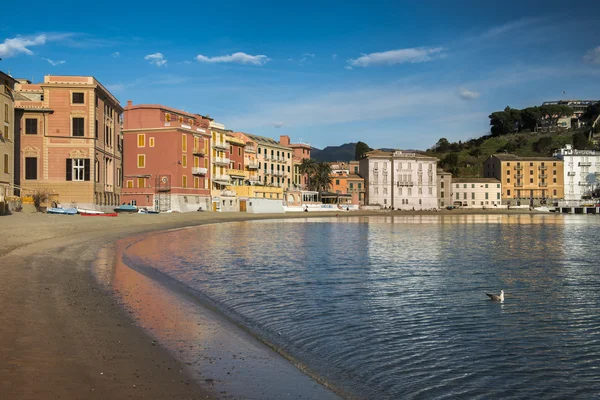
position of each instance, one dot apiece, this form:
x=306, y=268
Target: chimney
x=129, y=103
x=284, y=140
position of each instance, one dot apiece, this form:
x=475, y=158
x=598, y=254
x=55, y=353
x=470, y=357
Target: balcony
x=198, y=151
x=236, y=172
x=543, y=167
x=544, y=184
x=222, y=145
x=405, y=183
x=518, y=167
x=519, y=184
x=221, y=160
x=199, y=171
x=518, y=176
x=255, y=179
x=252, y=165
x=571, y=173
x=543, y=176
x=228, y=193
x=222, y=179
x=585, y=164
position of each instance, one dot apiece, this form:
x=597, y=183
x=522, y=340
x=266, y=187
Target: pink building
x=166, y=153
x=69, y=141
x=301, y=152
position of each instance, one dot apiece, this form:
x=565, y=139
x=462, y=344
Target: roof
x=397, y=154
x=266, y=141
x=161, y=107
x=475, y=180
x=235, y=140
x=512, y=157
x=6, y=76
x=354, y=176
x=20, y=97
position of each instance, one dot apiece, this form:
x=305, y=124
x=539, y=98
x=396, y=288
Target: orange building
x=345, y=182
x=526, y=180
x=167, y=158
x=70, y=141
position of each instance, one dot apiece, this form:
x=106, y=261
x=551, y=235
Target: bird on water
x=496, y=297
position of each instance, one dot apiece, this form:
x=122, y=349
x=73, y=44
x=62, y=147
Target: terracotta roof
x=402, y=154
x=266, y=141
x=354, y=176
x=512, y=157
x=475, y=180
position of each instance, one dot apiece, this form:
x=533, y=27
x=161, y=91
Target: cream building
x=476, y=192
x=581, y=173
x=7, y=136
x=444, y=188
x=399, y=179
x=274, y=162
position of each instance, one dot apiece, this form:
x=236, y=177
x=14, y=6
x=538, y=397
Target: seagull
x=496, y=297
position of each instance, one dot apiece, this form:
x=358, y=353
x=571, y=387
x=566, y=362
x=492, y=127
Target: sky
x=389, y=73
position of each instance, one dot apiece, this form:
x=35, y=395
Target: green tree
x=360, y=150
x=321, y=180
x=307, y=167
x=580, y=141
x=504, y=122
x=542, y=144
x=442, y=146
x=449, y=161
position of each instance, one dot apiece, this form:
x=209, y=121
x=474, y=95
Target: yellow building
x=526, y=180
x=7, y=136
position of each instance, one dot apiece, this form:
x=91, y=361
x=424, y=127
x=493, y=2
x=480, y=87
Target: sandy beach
x=62, y=337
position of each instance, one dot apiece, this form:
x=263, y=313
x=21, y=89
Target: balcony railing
x=236, y=172
x=571, y=173
x=543, y=176
x=519, y=184
x=228, y=193
x=405, y=184
x=518, y=176
x=221, y=178
x=220, y=145
x=254, y=179
x=252, y=165
x=543, y=167
x=221, y=160
x=543, y=184
x=197, y=151
x=518, y=167
x=199, y=171
x=585, y=164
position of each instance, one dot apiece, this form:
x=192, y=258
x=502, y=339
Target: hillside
x=466, y=159
x=344, y=152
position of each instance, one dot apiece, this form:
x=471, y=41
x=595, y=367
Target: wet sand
x=62, y=337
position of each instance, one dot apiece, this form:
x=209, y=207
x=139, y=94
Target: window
x=554, y=172
x=442, y=185
x=78, y=169
x=141, y=140
x=141, y=161
x=196, y=182
x=6, y=113
x=259, y=150
x=430, y=191
x=508, y=192
x=151, y=142
x=31, y=126
x=239, y=151
x=554, y=164
x=486, y=185
x=486, y=195
x=553, y=180
x=498, y=196
x=472, y=195
x=30, y=167
x=351, y=185
x=184, y=142
x=530, y=180
x=78, y=98
x=6, y=132
x=508, y=164
x=465, y=195
x=498, y=186
x=78, y=127
x=6, y=164
x=184, y=181
x=555, y=192
x=457, y=196
x=530, y=172
x=457, y=186
x=129, y=184
x=464, y=186
x=531, y=164
x=337, y=181
x=184, y=160
x=472, y=186
x=141, y=182
x=507, y=180
x=96, y=130
x=507, y=172
x=167, y=117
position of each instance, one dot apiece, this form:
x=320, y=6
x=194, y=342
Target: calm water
x=395, y=308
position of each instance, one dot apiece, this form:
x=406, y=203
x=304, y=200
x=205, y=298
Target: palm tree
x=322, y=179
x=308, y=168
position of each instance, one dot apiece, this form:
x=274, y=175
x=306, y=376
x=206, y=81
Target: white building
x=581, y=173
x=476, y=192
x=399, y=179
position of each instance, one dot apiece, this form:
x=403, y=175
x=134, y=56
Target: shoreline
x=59, y=327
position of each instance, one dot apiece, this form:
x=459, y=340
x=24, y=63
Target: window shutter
x=69, y=169
x=86, y=171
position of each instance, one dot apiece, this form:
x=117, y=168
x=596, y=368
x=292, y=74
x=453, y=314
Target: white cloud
x=593, y=56
x=116, y=54
x=400, y=56
x=278, y=124
x=54, y=63
x=334, y=56
x=308, y=55
x=467, y=94
x=238, y=58
x=349, y=68
x=157, y=59
x=20, y=45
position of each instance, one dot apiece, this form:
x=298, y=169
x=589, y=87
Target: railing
x=221, y=160
x=199, y=171
x=543, y=176
x=519, y=184
x=198, y=151
x=253, y=165
x=221, y=177
x=405, y=184
x=585, y=164
x=571, y=173
x=543, y=184
x=236, y=172
x=543, y=167
x=518, y=167
x=220, y=145
x=228, y=193
x=518, y=176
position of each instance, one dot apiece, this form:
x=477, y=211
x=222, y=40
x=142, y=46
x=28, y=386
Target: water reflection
x=394, y=306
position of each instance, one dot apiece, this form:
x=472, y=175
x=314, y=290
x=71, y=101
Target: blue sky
x=390, y=73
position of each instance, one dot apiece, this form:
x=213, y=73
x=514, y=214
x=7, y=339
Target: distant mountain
x=344, y=152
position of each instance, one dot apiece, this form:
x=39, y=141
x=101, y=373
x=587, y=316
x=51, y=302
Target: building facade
x=7, y=136
x=529, y=181
x=344, y=182
x=399, y=179
x=581, y=173
x=167, y=158
x=237, y=157
x=301, y=152
x=69, y=141
x=476, y=192
x=444, y=188
x=274, y=162
x=250, y=159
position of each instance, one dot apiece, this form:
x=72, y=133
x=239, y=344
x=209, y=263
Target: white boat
x=84, y=211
